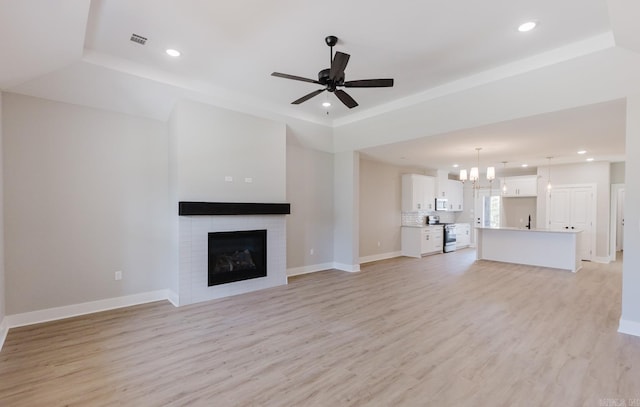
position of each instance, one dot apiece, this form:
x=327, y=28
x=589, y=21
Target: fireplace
x=200, y=219
x=237, y=256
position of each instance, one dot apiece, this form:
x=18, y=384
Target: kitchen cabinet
x=463, y=235
x=421, y=241
x=418, y=193
x=526, y=185
x=451, y=190
x=456, y=194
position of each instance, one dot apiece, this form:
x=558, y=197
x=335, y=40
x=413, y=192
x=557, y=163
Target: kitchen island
x=536, y=247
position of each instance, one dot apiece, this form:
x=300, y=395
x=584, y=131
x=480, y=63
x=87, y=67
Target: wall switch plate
x=311, y=251
x=118, y=275
x=248, y=180
x=228, y=178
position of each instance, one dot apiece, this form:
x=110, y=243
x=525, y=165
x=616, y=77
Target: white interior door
x=559, y=209
x=581, y=218
x=573, y=208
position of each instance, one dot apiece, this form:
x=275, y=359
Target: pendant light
x=549, y=174
x=504, y=177
x=474, y=173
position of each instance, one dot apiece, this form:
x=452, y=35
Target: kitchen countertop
x=531, y=230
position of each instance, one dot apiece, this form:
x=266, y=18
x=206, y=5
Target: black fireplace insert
x=237, y=256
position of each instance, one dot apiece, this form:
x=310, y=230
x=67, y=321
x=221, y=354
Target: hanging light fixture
x=549, y=174
x=474, y=173
x=504, y=177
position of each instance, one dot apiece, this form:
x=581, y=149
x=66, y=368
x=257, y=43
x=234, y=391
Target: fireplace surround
x=198, y=219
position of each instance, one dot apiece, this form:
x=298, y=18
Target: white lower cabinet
x=463, y=235
x=420, y=241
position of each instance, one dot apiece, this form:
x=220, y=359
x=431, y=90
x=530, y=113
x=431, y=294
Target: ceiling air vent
x=138, y=39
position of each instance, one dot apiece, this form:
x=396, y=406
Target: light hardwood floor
x=441, y=331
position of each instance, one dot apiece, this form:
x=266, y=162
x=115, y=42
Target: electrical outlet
x=118, y=275
x=248, y=180
x=228, y=178
x=378, y=244
x=311, y=252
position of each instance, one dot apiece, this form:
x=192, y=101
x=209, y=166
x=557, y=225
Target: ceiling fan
x=332, y=78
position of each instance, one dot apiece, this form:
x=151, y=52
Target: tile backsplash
x=419, y=218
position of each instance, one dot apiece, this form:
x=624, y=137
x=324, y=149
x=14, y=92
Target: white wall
x=515, y=209
x=617, y=173
x=380, y=208
x=310, y=224
x=630, y=319
x=2, y=269
x=85, y=195
x=588, y=173
x=212, y=143
x=346, y=206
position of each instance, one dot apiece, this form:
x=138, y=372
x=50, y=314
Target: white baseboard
x=629, y=327
x=297, y=271
x=351, y=268
x=603, y=260
x=52, y=314
x=173, y=298
x=382, y=256
x=4, y=330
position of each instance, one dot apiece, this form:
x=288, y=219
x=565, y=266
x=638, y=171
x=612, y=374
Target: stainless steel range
x=449, y=237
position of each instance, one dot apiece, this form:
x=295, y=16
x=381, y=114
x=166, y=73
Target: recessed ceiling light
x=173, y=52
x=590, y=159
x=525, y=165
x=455, y=165
x=528, y=26
x=582, y=152
x=326, y=104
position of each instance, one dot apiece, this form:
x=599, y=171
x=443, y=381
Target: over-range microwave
x=441, y=204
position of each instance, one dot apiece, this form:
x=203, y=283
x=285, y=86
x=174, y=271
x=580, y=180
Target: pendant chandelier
x=504, y=178
x=549, y=174
x=474, y=174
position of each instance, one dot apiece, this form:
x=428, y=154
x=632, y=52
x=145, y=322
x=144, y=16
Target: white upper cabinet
x=451, y=190
x=417, y=193
x=522, y=186
x=456, y=195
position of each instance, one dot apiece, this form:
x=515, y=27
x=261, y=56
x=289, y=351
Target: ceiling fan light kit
x=333, y=77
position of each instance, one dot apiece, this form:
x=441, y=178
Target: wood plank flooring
x=441, y=331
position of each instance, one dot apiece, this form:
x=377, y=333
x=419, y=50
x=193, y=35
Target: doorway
x=617, y=220
x=487, y=209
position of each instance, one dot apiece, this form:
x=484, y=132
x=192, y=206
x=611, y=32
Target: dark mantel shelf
x=232, y=208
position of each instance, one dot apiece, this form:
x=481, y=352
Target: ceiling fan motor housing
x=331, y=40
x=323, y=78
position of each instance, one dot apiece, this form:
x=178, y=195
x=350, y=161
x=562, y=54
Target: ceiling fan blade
x=369, y=83
x=307, y=97
x=295, y=78
x=346, y=99
x=338, y=65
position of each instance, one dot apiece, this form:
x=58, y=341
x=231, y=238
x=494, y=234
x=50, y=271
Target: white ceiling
x=79, y=52
x=599, y=129
x=421, y=44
